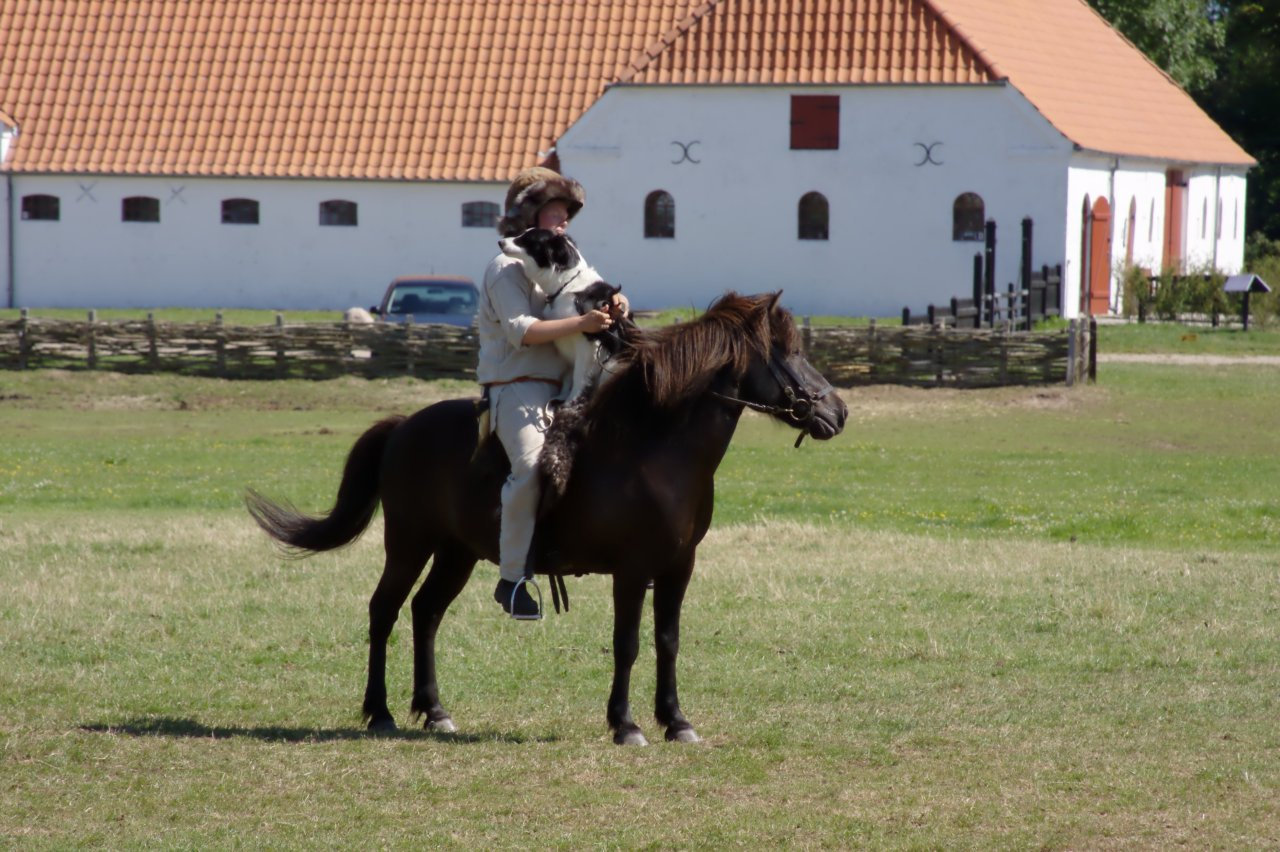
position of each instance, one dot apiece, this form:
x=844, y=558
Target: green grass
x=1030, y=617
x=1180, y=339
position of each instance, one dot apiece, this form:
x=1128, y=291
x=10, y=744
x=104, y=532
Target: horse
x=636, y=506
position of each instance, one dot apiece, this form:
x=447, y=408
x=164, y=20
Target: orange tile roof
x=824, y=42
x=452, y=90
x=1089, y=82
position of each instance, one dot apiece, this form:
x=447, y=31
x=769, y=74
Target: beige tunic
x=509, y=304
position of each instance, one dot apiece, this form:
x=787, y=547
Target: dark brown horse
x=636, y=506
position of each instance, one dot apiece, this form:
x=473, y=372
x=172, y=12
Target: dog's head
x=538, y=248
x=596, y=297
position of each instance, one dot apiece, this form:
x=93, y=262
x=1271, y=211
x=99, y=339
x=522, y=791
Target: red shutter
x=815, y=122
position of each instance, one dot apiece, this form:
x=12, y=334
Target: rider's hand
x=620, y=306
x=593, y=321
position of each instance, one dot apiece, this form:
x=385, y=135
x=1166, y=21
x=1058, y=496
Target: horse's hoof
x=440, y=726
x=683, y=735
x=382, y=726
x=630, y=738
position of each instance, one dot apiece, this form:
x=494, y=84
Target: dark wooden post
x=219, y=345
x=91, y=339
x=1093, y=350
x=24, y=338
x=1026, y=253
x=989, y=270
x=153, y=349
x=806, y=338
x=281, y=365
x=977, y=288
x=872, y=354
x=1245, y=313
x=906, y=316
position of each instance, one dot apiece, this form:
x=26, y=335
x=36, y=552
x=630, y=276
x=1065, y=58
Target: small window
x=479, y=214
x=815, y=122
x=1217, y=222
x=968, y=218
x=659, y=215
x=338, y=213
x=1235, y=227
x=1204, y=219
x=814, y=216
x=239, y=211
x=46, y=207
x=140, y=208
x=1151, y=221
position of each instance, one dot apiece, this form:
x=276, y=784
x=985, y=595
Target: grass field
x=1029, y=617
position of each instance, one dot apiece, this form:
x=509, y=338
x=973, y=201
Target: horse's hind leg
x=668, y=597
x=449, y=573
x=404, y=564
x=628, y=601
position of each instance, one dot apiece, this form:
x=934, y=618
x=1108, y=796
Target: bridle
x=801, y=407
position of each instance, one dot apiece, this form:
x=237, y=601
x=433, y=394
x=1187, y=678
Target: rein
x=799, y=407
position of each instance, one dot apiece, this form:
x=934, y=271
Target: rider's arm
x=545, y=331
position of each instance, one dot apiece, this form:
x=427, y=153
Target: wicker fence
x=927, y=356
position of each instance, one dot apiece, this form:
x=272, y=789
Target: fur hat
x=533, y=189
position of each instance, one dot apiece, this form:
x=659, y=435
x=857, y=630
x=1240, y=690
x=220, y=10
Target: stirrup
x=511, y=604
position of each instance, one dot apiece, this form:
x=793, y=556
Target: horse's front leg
x=628, y=601
x=668, y=597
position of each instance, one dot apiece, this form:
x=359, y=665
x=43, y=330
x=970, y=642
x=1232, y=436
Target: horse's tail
x=351, y=513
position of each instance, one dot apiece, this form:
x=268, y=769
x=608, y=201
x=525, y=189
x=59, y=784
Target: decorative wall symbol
x=928, y=153
x=684, y=152
x=86, y=192
x=175, y=194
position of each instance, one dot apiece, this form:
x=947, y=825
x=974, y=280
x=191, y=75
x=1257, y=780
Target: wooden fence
x=927, y=356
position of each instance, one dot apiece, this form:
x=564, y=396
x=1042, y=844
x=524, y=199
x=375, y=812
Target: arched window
x=1217, y=222
x=1235, y=227
x=45, y=207
x=1151, y=221
x=239, y=211
x=338, y=213
x=968, y=217
x=479, y=214
x=140, y=208
x=814, y=216
x=659, y=215
x=1204, y=219
x=1130, y=233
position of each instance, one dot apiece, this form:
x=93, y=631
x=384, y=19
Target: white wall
x=90, y=258
x=1212, y=238
x=736, y=210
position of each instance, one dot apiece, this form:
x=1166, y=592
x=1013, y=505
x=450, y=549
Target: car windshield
x=435, y=297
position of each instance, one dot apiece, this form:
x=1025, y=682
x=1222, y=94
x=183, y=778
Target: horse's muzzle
x=828, y=417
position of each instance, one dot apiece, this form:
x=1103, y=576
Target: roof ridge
x=654, y=51
x=992, y=67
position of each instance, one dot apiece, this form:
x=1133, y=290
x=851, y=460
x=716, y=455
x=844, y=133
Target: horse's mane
x=678, y=361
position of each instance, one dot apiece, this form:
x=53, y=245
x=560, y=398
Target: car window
x=433, y=298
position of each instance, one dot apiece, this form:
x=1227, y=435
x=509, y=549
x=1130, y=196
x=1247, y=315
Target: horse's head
x=781, y=382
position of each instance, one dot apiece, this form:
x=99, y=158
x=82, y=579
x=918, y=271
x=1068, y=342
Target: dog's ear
x=563, y=255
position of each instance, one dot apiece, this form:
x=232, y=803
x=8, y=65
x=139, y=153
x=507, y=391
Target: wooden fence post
x=24, y=338
x=219, y=345
x=281, y=364
x=1073, y=346
x=410, y=366
x=873, y=357
x=989, y=270
x=1093, y=350
x=153, y=349
x=92, y=340
x=806, y=339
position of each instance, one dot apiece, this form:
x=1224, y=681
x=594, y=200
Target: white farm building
x=301, y=154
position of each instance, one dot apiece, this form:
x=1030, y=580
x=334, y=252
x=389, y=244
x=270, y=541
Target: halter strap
x=553, y=296
x=800, y=408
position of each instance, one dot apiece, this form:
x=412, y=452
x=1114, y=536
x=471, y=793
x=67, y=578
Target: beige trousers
x=521, y=414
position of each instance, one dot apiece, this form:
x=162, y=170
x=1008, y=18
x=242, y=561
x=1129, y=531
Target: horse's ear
x=774, y=298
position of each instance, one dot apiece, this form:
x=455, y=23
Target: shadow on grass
x=190, y=728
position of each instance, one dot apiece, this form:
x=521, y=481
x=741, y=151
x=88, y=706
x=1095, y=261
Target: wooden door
x=1175, y=202
x=1100, y=258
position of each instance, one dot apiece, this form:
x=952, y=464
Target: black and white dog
x=572, y=287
